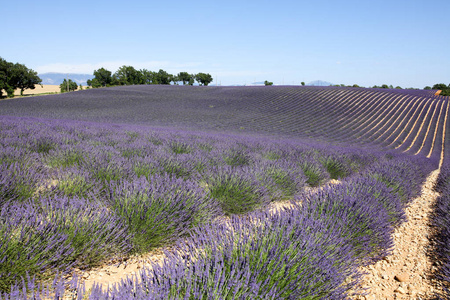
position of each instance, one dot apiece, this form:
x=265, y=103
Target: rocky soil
x=407, y=272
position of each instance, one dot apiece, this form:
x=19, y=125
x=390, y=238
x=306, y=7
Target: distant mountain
x=58, y=78
x=320, y=83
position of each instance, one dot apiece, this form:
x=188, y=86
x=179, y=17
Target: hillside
x=336, y=182
x=411, y=120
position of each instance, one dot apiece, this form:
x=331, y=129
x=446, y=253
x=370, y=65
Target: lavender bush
x=89, y=183
x=238, y=190
x=41, y=237
x=159, y=210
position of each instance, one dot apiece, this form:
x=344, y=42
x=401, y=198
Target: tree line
x=439, y=86
x=445, y=89
x=16, y=76
x=128, y=75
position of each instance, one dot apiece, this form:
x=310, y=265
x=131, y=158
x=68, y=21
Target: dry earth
x=407, y=272
x=44, y=89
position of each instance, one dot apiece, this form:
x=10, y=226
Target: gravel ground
x=407, y=272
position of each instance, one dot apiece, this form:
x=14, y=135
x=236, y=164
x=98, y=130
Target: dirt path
x=405, y=274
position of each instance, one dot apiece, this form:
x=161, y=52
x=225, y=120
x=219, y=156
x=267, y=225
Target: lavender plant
x=362, y=218
x=159, y=210
x=289, y=255
x=238, y=190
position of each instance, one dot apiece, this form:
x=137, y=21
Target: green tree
x=303, y=83
x=148, y=77
x=268, y=82
x=162, y=77
x=127, y=75
x=102, y=77
x=185, y=77
x=203, y=78
x=427, y=88
x=16, y=76
x=72, y=86
x=175, y=79
x=440, y=86
x=23, y=78
x=3, y=72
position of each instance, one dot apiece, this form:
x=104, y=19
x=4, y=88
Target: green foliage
x=445, y=90
x=185, y=77
x=16, y=76
x=127, y=75
x=203, y=78
x=237, y=158
x=102, y=77
x=268, y=82
x=236, y=196
x=313, y=173
x=335, y=168
x=162, y=77
x=68, y=87
x=180, y=147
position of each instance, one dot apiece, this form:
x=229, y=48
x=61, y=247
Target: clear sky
x=398, y=42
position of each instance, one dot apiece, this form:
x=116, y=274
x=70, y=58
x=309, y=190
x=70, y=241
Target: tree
x=203, y=79
x=127, y=75
x=427, y=88
x=268, y=82
x=16, y=76
x=72, y=86
x=23, y=78
x=303, y=83
x=162, y=77
x=3, y=72
x=102, y=77
x=440, y=86
x=185, y=77
x=175, y=79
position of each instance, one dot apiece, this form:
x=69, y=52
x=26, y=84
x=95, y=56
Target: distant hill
x=320, y=83
x=58, y=78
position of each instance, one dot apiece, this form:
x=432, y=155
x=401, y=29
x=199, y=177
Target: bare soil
x=39, y=89
x=408, y=272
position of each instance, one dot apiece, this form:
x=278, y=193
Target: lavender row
x=441, y=221
x=339, y=114
x=128, y=180
x=310, y=250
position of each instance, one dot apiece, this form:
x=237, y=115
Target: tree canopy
x=203, y=78
x=445, y=89
x=102, y=77
x=128, y=75
x=72, y=86
x=16, y=76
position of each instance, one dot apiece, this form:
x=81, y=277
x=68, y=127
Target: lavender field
x=254, y=192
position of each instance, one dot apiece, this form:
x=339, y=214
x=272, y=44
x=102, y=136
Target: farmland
x=233, y=182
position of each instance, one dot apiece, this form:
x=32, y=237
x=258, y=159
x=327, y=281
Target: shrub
x=236, y=189
x=159, y=210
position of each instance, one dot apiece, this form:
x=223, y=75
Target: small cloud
x=338, y=62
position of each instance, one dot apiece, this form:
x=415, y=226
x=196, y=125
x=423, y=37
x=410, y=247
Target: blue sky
x=396, y=42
